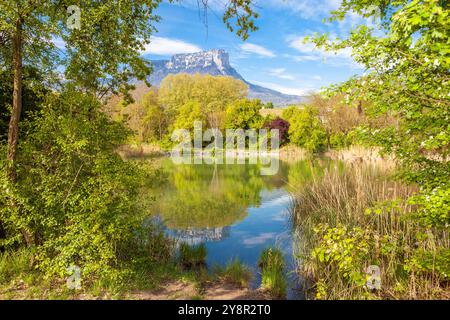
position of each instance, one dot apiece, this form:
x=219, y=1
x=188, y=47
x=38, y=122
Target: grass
x=19, y=280
x=348, y=220
x=192, y=257
x=272, y=265
x=236, y=273
x=13, y=264
x=145, y=263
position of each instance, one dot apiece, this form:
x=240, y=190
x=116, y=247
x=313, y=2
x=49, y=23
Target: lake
x=233, y=209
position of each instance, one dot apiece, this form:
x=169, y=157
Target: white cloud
x=286, y=90
x=308, y=9
x=166, y=46
x=281, y=74
x=305, y=58
x=317, y=77
x=259, y=239
x=256, y=49
x=309, y=52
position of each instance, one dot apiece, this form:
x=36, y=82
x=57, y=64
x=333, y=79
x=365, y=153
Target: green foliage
x=414, y=90
x=74, y=199
x=345, y=250
x=306, y=130
x=192, y=256
x=156, y=120
x=189, y=113
x=430, y=262
x=244, y=114
x=289, y=112
x=339, y=237
x=271, y=263
x=407, y=81
x=269, y=105
x=434, y=207
x=340, y=140
x=211, y=94
x=32, y=95
x=74, y=195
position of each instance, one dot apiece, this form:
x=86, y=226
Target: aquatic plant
x=192, y=256
x=271, y=263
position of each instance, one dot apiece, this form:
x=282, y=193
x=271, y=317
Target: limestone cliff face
x=216, y=63
x=213, y=62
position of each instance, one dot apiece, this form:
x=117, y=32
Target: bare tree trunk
x=360, y=108
x=13, y=131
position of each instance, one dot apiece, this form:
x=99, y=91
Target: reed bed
x=347, y=220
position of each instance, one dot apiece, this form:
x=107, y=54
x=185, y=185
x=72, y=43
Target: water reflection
x=232, y=208
x=194, y=236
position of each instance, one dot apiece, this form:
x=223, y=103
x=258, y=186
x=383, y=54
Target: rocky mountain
x=216, y=63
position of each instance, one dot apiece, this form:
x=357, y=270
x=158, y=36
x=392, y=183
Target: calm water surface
x=234, y=210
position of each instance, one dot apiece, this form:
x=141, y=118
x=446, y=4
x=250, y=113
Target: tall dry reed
x=349, y=219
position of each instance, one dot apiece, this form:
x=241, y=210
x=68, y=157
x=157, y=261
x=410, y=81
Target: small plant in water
x=271, y=263
x=192, y=256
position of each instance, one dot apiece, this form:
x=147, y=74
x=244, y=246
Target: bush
x=74, y=196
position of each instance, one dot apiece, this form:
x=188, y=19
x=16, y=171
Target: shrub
x=74, y=196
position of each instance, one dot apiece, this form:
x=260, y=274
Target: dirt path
x=179, y=290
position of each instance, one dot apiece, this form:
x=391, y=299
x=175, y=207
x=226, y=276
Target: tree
x=189, y=113
x=306, y=131
x=213, y=94
x=269, y=105
x=244, y=114
x=156, y=121
x=338, y=118
x=289, y=112
x=282, y=126
x=34, y=91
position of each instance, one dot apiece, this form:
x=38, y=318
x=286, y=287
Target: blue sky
x=274, y=56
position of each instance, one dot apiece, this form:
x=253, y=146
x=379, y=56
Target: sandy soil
x=179, y=290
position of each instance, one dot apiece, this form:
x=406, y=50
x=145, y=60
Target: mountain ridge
x=217, y=63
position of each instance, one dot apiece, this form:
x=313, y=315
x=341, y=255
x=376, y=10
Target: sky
x=275, y=55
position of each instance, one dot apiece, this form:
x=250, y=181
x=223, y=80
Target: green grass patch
x=235, y=272
x=192, y=257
